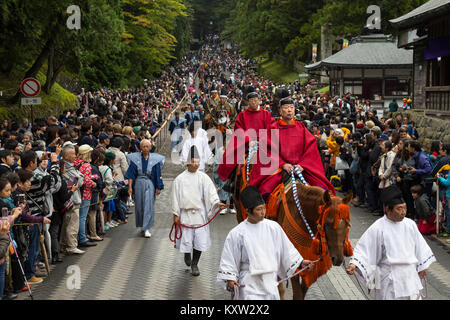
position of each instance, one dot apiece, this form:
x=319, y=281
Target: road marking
x=121, y=270
x=156, y=285
x=440, y=272
x=61, y=292
x=344, y=285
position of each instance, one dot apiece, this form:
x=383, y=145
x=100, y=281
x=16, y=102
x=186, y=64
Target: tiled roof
x=368, y=51
x=428, y=10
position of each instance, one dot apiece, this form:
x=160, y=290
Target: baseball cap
x=102, y=136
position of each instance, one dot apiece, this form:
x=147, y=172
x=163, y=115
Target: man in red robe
x=296, y=147
x=246, y=129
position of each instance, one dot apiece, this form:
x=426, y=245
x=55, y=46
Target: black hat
x=247, y=89
x=252, y=95
x=282, y=93
x=193, y=153
x=286, y=100
x=250, y=197
x=391, y=196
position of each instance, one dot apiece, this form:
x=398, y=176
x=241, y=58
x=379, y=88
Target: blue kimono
x=146, y=176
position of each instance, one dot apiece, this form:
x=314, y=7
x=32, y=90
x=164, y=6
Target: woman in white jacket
x=385, y=173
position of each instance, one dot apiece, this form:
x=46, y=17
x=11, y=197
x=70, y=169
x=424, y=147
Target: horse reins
x=301, y=270
x=297, y=201
x=179, y=231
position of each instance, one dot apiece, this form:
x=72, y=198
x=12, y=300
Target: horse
x=327, y=216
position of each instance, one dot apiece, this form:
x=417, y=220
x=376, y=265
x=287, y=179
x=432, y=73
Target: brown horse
x=315, y=204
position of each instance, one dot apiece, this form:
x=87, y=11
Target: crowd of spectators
x=64, y=176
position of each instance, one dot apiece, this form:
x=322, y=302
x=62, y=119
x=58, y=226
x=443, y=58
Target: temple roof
x=367, y=51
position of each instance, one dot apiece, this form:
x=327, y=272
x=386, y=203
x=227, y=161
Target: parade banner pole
x=174, y=110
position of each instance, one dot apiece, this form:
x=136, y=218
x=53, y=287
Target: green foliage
x=277, y=72
x=53, y=103
x=120, y=42
x=290, y=27
x=149, y=25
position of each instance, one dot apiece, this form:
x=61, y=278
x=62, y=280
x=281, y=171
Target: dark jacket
x=87, y=139
x=442, y=162
x=374, y=155
x=62, y=196
x=423, y=166
x=4, y=169
x=424, y=210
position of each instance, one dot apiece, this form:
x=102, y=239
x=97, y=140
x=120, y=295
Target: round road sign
x=30, y=87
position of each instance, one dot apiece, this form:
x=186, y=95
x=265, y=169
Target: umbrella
x=43, y=249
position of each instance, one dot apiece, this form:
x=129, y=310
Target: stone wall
x=430, y=128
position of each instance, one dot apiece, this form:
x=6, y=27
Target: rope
x=179, y=232
x=299, y=271
x=424, y=284
x=235, y=292
x=297, y=201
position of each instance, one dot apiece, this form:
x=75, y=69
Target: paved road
x=127, y=266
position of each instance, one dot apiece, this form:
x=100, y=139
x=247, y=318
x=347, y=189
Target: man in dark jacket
x=6, y=161
x=39, y=186
x=422, y=168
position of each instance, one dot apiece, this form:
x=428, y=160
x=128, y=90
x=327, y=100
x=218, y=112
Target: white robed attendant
x=256, y=252
x=392, y=256
x=198, y=138
x=194, y=201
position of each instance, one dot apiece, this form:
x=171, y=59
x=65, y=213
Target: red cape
x=296, y=146
x=238, y=145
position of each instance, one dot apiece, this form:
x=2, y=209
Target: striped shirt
x=40, y=184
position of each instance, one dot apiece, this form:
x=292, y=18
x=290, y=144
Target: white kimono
x=389, y=256
x=201, y=142
x=254, y=255
x=194, y=199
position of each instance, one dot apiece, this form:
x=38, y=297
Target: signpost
x=30, y=88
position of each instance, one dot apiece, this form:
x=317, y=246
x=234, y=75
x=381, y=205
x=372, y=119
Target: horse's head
x=336, y=226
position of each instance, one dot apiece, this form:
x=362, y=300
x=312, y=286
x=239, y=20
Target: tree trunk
x=56, y=72
x=37, y=65
x=51, y=58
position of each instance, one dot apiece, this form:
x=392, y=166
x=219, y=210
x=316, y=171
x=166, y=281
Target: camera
x=20, y=199
x=5, y=213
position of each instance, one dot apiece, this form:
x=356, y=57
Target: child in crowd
x=110, y=189
x=424, y=211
